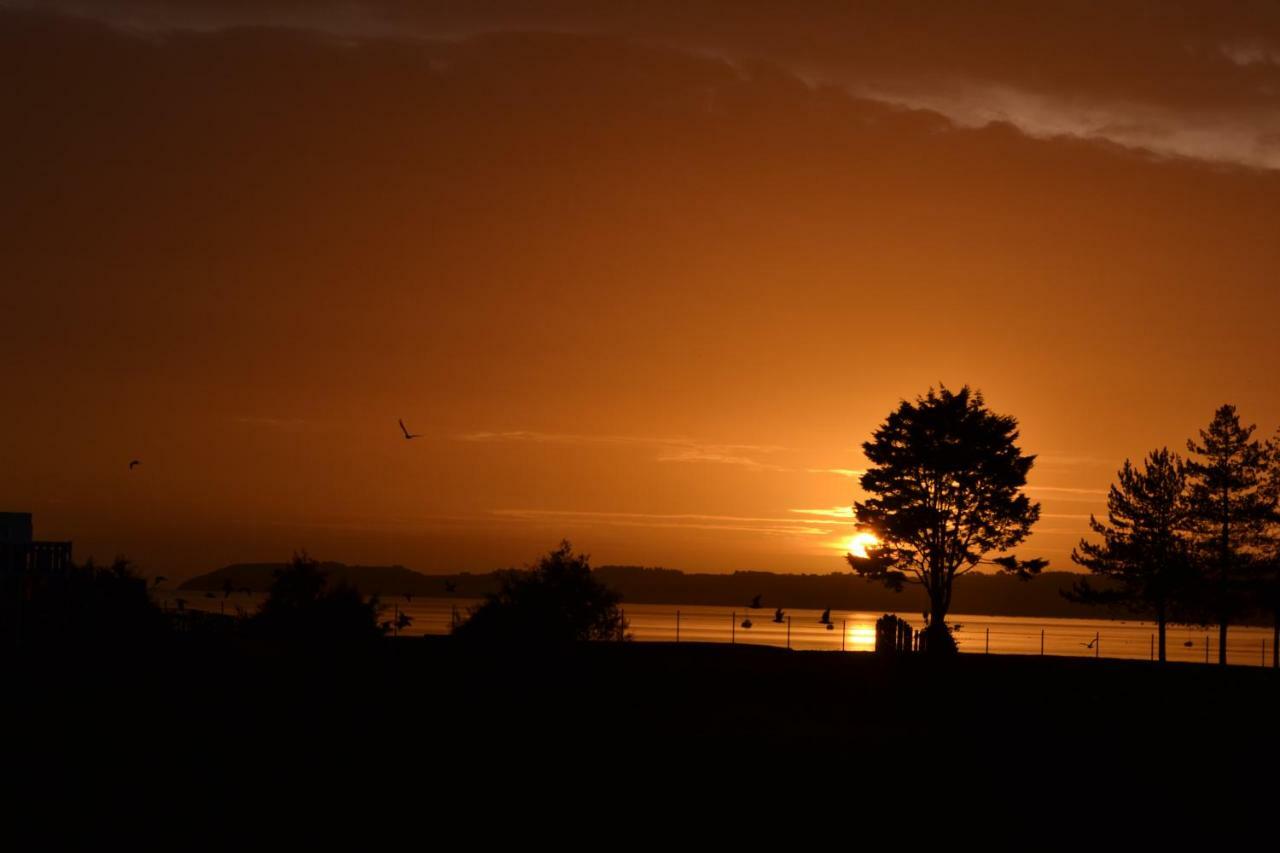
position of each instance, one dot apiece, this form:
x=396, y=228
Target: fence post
x=677, y=626
x=788, y=633
x=1097, y=644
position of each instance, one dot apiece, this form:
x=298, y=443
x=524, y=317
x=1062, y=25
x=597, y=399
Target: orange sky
x=644, y=278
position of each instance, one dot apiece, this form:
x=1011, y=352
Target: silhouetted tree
x=303, y=607
x=945, y=490
x=1145, y=547
x=1267, y=580
x=1230, y=505
x=556, y=601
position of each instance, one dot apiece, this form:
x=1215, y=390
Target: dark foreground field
x=213, y=721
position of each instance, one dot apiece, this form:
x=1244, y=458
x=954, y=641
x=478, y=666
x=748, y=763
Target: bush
x=303, y=607
x=88, y=607
x=556, y=601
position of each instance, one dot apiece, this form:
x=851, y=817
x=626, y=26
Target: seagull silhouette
x=134, y=464
x=408, y=435
x=1089, y=644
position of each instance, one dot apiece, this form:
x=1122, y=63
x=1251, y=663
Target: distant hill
x=995, y=595
x=371, y=580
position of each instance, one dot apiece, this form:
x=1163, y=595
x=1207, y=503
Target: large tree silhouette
x=1267, y=581
x=945, y=491
x=1144, y=552
x=1231, y=504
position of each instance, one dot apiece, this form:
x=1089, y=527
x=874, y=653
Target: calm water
x=851, y=630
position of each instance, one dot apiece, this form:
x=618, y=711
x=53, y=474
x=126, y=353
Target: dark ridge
x=994, y=595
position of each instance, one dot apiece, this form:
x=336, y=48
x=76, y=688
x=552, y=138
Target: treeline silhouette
x=1193, y=539
x=995, y=595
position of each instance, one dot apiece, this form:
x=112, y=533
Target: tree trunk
x=939, y=640
x=1160, y=622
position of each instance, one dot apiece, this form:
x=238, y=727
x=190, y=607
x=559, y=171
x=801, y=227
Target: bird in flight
x=408, y=435
x=134, y=464
x=1089, y=644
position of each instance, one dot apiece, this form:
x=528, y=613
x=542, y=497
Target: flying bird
x=134, y=464
x=408, y=435
x=1089, y=644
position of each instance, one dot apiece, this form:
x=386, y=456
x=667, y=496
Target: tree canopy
x=1230, y=504
x=1144, y=548
x=557, y=600
x=945, y=491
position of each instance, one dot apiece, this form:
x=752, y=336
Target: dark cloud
x=1195, y=79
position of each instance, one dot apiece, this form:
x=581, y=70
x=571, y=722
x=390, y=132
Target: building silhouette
x=21, y=555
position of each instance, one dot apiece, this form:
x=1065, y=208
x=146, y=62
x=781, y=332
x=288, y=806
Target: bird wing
x=404, y=429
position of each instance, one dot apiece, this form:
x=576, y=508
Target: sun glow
x=860, y=542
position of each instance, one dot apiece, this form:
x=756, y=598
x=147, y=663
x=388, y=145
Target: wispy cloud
x=275, y=423
x=845, y=512
x=839, y=472
x=1224, y=137
x=692, y=521
x=1065, y=490
x=1251, y=53
x=668, y=449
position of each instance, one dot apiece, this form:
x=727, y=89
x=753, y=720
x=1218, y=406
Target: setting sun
x=860, y=542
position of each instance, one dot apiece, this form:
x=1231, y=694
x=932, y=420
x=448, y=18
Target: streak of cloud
x=745, y=524
x=668, y=449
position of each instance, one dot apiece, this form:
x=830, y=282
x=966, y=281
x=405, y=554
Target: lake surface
x=850, y=630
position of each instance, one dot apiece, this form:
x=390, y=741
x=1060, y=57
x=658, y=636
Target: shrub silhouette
x=88, y=606
x=556, y=601
x=303, y=607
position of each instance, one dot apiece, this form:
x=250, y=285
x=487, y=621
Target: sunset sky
x=644, y=275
